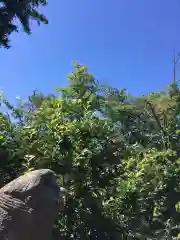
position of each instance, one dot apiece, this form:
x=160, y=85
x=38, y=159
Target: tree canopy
x=13, y=12
x=117, y=155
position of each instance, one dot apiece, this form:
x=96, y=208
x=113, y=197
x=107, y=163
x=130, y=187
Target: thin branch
x=175, y=61
x=154, y=115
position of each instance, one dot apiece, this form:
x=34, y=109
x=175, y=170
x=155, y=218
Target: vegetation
x=14, y=11
x=118, y=156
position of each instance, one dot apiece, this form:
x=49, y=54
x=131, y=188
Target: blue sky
x=126, y=43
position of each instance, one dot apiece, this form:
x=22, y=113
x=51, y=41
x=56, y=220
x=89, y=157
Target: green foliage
x=117, y=155
x=23, y=11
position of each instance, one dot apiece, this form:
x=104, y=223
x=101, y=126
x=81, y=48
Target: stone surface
x=28, y=206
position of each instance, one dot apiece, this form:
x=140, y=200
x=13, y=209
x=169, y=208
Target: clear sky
x=126, y=43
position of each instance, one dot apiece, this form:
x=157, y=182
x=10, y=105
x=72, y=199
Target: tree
x=117, y=155
x=63, y=134
x=23, y=11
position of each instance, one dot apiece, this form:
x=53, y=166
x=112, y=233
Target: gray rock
x=28, y=206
